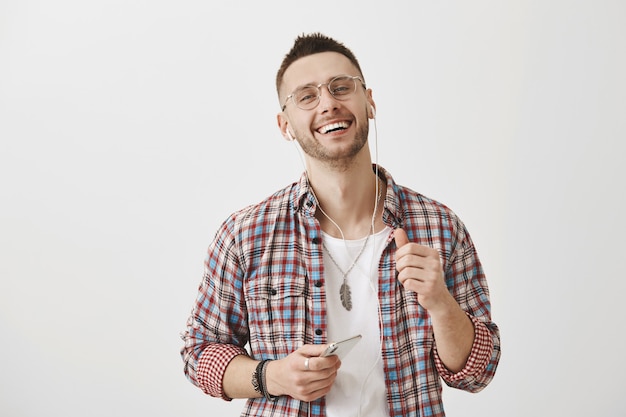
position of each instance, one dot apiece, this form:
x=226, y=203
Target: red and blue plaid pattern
x=263, y=285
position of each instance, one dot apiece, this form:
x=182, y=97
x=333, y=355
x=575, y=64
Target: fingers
x=303, y=374
x=400, y=237
x=419, y=259
x=416, y=263
x=312, y=350
x=308, y=385
x=316, y=363
x=406, y=247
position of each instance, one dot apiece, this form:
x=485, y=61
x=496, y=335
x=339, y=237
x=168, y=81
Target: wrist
x=259, y=380
x=256, y=377
x=443, y=307
x=273, y=386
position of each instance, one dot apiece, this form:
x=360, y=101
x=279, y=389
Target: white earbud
x=373, y=112
x=289, y=135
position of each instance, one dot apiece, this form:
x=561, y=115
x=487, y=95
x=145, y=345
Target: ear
x=283, y=126
x=371, y=108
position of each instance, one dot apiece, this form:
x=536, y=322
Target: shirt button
x=318, y=332
x=318, y=284
x=317, y=240
x=273, y=291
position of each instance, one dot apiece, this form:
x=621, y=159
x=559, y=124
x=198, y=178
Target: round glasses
x=307, y=97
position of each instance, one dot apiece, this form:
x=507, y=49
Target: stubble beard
x=341, y=159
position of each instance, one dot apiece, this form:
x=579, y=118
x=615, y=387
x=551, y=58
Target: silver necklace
x=344, y=291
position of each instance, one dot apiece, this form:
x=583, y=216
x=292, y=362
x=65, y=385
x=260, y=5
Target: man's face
x=335, y=130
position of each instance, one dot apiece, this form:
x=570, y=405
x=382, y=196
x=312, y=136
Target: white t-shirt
x=359, y=389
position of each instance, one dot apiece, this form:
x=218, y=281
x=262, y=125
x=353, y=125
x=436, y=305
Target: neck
x=347, y=199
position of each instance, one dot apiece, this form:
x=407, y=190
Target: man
x=343, y=251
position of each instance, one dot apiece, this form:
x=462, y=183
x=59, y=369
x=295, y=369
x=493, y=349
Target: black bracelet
x=256, y=377
x=261, y=369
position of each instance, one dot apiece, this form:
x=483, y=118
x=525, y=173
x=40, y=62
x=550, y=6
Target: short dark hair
x=313, y=43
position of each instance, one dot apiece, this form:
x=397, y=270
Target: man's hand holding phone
x=309, y=372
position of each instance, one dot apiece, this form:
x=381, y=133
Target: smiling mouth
x=333, y=127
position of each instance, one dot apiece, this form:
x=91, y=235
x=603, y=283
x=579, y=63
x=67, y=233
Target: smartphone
x=341, y=348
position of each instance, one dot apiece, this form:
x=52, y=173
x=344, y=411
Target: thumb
x=401, y=237
x=312, y=350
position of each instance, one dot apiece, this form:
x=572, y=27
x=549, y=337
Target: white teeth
x=333, y=126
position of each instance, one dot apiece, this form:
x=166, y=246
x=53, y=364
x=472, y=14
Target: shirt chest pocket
x=277, y=312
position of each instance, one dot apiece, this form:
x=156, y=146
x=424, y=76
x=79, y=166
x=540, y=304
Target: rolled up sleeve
x=480, y=366
x=212, y=365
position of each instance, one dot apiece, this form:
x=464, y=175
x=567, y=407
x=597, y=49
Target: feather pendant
x=346, y=297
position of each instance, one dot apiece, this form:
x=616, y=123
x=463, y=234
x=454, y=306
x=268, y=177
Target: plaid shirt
x=264, y=285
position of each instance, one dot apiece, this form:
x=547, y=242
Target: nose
x=327, y=100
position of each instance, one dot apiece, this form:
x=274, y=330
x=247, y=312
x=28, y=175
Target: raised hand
x=419, y=270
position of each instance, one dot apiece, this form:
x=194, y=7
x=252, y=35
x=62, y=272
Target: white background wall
x=130, y=129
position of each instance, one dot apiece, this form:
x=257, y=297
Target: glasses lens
x=342, y=87
x=306, y=97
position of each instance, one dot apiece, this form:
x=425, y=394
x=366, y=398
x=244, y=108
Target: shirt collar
x=393, y=216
